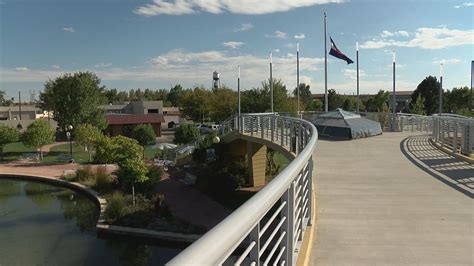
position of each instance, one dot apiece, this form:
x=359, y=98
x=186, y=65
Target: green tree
x=429, y=90
x=335, y=100
x=105, y=150
x=3, y=101
x=315, y=105
x=196, y=103
x=281, y=101
x=457, y=101
x=175, y=94
x=74, y=100
x=7, y=135
x=306, y=97
x=418, y=107
x=87, y=136
x=145, y=135
x=349, y=103
x=256, y=100
x=38, y=134
x=376, y=103
x=223, y=104
x=186, y=133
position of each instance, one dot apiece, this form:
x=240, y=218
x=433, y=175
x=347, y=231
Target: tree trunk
x=41, y=153
x=1, y=150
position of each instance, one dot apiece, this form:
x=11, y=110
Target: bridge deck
x=377, y=207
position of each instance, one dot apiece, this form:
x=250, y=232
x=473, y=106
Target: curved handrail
x=288, y=188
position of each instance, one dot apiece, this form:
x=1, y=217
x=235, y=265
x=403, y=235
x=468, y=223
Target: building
x=135, y=107
x=28, y=112
x=121, y=124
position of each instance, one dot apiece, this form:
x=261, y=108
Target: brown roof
x=126, y=119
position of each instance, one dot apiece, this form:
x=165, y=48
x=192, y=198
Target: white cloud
x=233, y=45
x=244, y=27
x=450, y=61
x=425, y=38
x=387, y=33
x=277, y=34
x=248, y=7
x=69, y=29
x=103, y=65
x=299, y=36
x=22, y=69
x=55, y=67
x=160, y=60
x=276, y=50
x=190, y=68
x=352, y=73
x=465, y=5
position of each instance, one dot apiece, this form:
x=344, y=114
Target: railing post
x=254, y=253
x=455, y=137
x=290, y=215
x=282, y=130
x=310, y=191
x=262, y=127
x=272, y=120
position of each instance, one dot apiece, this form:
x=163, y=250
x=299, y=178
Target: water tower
x=216, y=82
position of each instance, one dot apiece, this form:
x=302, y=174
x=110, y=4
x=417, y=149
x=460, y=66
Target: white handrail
x=217, y=245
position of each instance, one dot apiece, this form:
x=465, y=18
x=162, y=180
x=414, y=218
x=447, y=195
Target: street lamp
x=68, y=135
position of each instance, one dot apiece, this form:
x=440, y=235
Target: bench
x=65, y=158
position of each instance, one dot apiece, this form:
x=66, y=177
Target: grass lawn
x=151, y=153
x=79, y=155
x=14, y=151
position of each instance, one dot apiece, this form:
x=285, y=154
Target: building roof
x=15, y=108
x=112, y=106
x=127, y=119
x=397, y=93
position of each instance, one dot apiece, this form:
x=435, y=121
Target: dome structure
x=342, y=124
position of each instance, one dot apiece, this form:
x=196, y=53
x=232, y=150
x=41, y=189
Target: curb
x=304, y=258
x=449, y=152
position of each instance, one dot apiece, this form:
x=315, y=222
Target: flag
x=336, y=53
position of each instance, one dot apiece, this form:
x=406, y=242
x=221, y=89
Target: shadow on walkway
x=448, y=169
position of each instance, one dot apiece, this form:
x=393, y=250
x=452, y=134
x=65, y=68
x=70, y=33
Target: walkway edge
x=449, y=152
x=441, y=177
x=304, y=257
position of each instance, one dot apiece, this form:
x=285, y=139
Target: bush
x=99, y=180
x=116, y=207
x=185, y=134
x=148, y=187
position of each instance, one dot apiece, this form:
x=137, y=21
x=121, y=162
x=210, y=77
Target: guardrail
x=269, y=227
x=457, y=134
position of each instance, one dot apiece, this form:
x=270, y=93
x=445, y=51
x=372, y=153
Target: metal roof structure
x=342, y=124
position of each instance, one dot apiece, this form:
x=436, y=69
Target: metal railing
x=457, y=134
x=269, y=227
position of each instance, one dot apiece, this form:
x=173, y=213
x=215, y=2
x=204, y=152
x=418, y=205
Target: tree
x=349, y=103
x=186, y=133
x=87, y=136
x=280, y=96
x=429, y=90
x=457, y=101
x=74, y=100
x=175, y=94
x=38, y=134
x=105, y=150
x=145, y=135
x=7, y=135
x=3, y=101
x=315, y=105
x=255, y=100
x=223, y=104
x=376, y=103
x=335, y=100
x=195, y=103
x=306, y=97
x=418, y=107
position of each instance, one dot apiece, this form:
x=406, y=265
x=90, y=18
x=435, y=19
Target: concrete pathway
x=376, y=207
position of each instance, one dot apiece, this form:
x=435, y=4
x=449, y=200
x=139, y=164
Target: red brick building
x=117, y=122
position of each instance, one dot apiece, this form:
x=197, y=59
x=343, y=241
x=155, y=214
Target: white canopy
x=163, y=146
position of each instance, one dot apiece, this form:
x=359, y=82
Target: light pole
x=68, y=135
x=298, y=77
x=440, y=88
x=271, y=83
x=394, y=101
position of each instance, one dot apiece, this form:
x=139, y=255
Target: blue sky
x=155, y=43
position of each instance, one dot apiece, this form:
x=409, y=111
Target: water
x=47, y=225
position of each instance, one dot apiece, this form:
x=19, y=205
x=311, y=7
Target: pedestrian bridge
x=391, y=199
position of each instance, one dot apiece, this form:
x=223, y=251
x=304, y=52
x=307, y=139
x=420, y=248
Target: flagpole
x=440, y=88
x=357, y=59
x=394, y=101
x=298, y=76
x=325, y=66
x=271, y=83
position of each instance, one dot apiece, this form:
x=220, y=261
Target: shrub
x=99, y=180
x=116, y=206
x=154, y=176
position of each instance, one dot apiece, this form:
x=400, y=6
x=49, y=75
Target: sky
x=155, y=44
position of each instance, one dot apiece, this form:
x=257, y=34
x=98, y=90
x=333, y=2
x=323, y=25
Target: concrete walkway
x=376, y=207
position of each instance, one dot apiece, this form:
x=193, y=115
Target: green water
x=47, y=225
